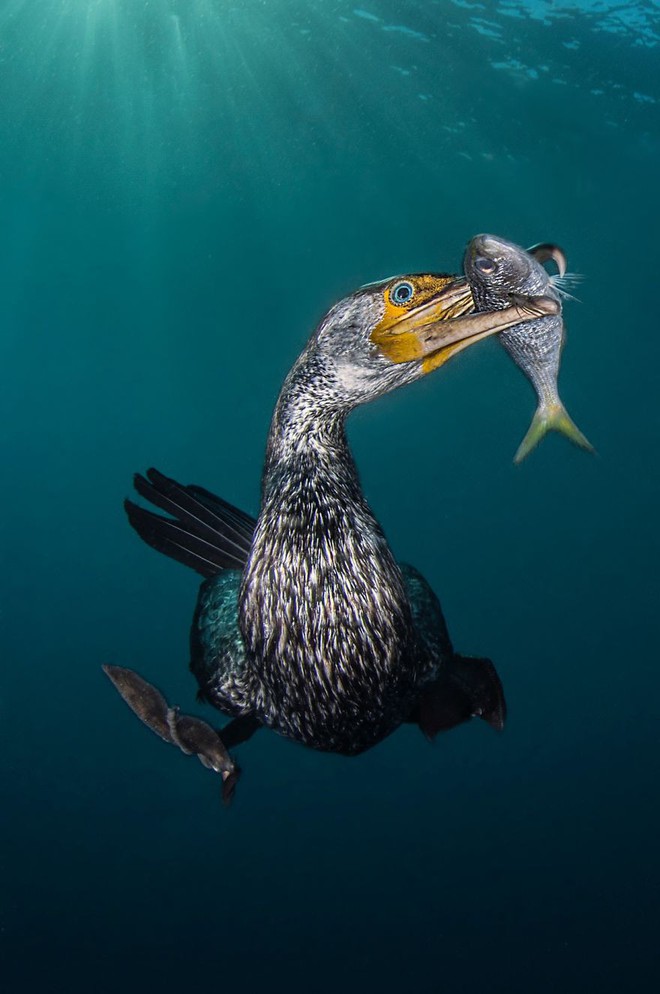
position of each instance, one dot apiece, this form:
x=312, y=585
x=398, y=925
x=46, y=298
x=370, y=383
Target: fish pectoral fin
x=468, y=687
x=555, y=418
x=192, y=735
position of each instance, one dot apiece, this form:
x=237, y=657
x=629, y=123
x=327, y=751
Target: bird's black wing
x=204, y=532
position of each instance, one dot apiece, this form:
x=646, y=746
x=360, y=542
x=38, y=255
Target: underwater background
x=185, y=187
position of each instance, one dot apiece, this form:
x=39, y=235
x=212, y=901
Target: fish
x=499, y=274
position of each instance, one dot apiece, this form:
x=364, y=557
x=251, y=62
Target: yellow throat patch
x=433, y=298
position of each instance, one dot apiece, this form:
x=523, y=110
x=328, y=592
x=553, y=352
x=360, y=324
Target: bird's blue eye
x=401, y=293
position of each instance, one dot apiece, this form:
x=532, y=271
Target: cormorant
x=305, y=623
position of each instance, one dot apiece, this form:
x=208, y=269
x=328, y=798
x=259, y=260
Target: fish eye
x=485, y=266
x=402, y=292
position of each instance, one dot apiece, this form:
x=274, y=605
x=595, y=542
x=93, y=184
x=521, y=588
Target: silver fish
x=500, y=273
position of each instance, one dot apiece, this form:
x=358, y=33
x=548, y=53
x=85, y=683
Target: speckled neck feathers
x=323, y=606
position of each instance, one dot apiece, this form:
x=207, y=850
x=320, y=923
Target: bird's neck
x=307, y=435
x=321, y=583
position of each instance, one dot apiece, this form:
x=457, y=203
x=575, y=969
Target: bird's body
x=305, y=622
x=323, y=608
x=344, y=700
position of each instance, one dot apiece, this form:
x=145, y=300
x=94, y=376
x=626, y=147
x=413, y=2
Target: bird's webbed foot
x=467, y=687
x=192, y=735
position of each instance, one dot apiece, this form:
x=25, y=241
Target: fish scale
x=498, y=271
x=535, y=347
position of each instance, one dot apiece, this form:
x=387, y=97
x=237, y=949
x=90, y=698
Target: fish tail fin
x=551, y=418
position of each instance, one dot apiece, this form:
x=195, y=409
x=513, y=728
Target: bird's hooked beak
x=444, y=325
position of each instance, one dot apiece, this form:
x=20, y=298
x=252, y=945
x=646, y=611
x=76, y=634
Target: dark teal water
x=185, y=187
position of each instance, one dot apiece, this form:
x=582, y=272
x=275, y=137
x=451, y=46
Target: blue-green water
x=185, y=187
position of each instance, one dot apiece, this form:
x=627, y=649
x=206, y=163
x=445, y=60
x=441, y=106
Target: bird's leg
x=239, y=730
x=192, y=735
x=441, y=706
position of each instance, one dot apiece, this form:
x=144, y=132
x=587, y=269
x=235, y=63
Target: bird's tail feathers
x=204, y=532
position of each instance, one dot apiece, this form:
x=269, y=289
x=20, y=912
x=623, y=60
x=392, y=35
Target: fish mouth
x=446, y=324
x=489, y=245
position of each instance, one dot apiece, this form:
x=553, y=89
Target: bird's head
x=392, y=332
